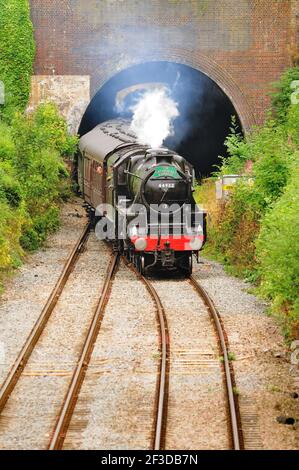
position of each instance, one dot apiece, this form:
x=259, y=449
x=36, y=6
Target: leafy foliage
x=278, y=255
x=16, y=54
x=33, y=176
x=281, y=97
x=7, y=147
x=255, y=232
x=237, y=150
x=33, y=180
x=10, y=188
x=10, y=232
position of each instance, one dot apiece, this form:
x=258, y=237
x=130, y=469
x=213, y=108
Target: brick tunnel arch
x=199, y=62
x=208, y=72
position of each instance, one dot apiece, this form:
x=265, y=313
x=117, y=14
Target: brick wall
x=243, y=45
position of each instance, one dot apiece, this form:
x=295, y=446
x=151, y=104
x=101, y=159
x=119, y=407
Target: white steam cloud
x=153, y=117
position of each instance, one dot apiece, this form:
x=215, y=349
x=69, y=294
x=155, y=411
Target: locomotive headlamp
x=195, y=243
x=140, y=244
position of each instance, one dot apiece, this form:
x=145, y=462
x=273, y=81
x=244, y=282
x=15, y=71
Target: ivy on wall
x=33, y=176
x=17, y=51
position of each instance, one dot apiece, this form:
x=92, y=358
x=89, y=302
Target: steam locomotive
x=140, y=198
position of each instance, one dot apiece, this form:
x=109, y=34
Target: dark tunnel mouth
x=205, y=110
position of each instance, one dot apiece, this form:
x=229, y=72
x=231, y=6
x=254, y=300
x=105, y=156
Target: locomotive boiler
x=141, y=198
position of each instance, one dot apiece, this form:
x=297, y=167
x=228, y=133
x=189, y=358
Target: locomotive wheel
x=139, y=263
x=142, y=265
x=186, y=264
x=135, y=261
x=190, y=265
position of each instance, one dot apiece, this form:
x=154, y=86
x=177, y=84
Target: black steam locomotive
x=141, y=198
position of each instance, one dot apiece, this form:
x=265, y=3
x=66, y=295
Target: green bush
x=273, y=160
x=33, y=175
x=281, y=97
x=44, y=129
x=41, y=140
x=11, y=221
x=16, y=54
x=10, y=188
x=271, y=153
x=278, y=255
x=232, y=229
x=293, y=126
x=233, y=232
x=237, y=151
x=43, y=224
x=51, y=130
x=7, y=146
x=255, y=232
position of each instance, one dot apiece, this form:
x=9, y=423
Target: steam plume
x=153, y=117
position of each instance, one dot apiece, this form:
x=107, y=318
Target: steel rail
x=163, y=383
x=25, y=353
x=236, y=431
x=70, y=400
x=161, y=402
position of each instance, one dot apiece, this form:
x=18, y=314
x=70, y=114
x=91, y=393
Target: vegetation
x=255, y=233
x=281, y=97
x=33, y=176
x=16, y=54
x=33, y=179
x=278, y=255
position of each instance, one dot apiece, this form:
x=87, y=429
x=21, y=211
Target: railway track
x=63, y=419
x=161, y=401
x=160, y=430
x=71, y=397
x=13, y=411
x=69, y=401
x=232, y=399
x=24, y=355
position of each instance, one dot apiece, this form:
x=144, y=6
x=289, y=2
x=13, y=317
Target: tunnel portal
x=205, y=110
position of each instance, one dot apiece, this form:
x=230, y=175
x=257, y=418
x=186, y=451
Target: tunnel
x=205, y=110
